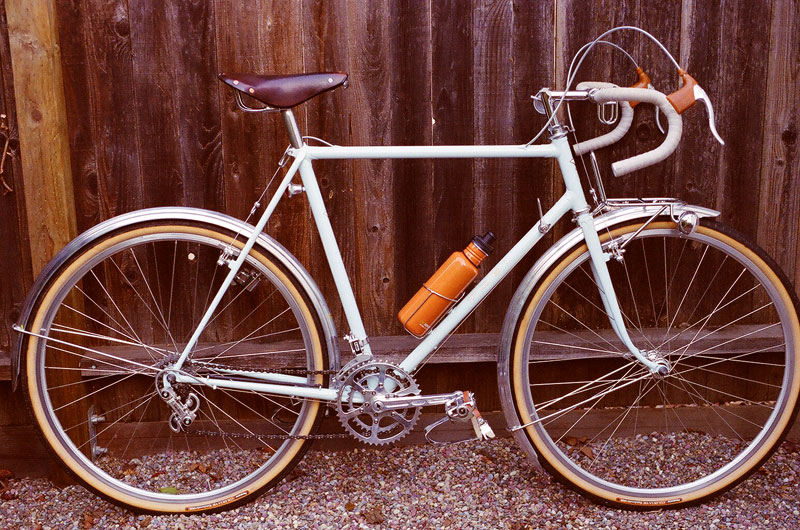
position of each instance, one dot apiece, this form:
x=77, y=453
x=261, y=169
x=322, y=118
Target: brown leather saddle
x=284, y=91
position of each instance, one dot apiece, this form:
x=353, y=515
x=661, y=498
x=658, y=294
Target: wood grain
x=42, y=121
x=779, y=187
x=14, y=246
x=97, y=62
x=178, y=129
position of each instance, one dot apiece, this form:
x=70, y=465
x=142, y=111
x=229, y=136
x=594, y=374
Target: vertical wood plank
x=326, y=34
x=262, y=37
x=413, y=242
x=177, y=102
x=371, y=64
x=725, y=37
x=42, y=121
x=452, y=102
x=533, y=68
x=44, y=145
x=494, y=124
x=16, y=265
x=99, y=90
x=779, y=189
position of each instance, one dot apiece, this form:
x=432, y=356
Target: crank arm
x=404, y=402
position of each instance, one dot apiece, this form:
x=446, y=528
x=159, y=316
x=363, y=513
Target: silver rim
x=719, y=322
x=111, y=326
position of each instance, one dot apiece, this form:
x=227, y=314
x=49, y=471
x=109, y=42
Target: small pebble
x=484, y=485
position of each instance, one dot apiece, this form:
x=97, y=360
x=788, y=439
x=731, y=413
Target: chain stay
x=282, y=371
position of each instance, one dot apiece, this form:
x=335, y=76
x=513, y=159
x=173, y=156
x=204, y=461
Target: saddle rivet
x=235, y=82
x=330, y=80
x=251, y=90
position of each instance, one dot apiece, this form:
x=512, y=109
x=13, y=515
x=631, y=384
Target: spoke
x=248, y=407
x=79, y=332
x=700, y=300
x=705, y=319
x=685, y=293
x=138, y=424
x=625, y=317
x=735, y=397
x=213, y=418
x=93, y=360
x=145, y=398
x=705, y=368
x=716, y=408
x=264, y=301
x=639, y=327
x=237, y=422
x=90, y=350
x=583, y=388
x=114, y=303
x=163, y=320
x=84, y=381
x=144, y=303
x=223, y=344
x=93, y=392
x=250, y=334
x=573, y=407
x=717, y=307
x=582, y=324
x=107, y=412
x=593, y=405
x=668, y=285
x=621, y=417
x=684, y=355
x=90, y=299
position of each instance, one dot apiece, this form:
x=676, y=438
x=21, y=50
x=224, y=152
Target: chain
x=269, y=436
x=253, y=436
x=281, y=371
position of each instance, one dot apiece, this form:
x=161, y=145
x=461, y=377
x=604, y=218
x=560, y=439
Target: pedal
x=483, y=431
x=462, y=408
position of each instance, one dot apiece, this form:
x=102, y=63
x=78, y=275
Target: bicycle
x=180, y=360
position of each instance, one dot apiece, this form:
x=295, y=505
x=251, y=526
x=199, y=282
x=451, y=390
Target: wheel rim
x=125, y=344
x=697, y=455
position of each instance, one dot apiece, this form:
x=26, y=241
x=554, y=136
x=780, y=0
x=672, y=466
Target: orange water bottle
x=445, y=286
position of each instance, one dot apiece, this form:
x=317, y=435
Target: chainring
x=363, y=386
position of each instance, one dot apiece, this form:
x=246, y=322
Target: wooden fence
x=148, y=124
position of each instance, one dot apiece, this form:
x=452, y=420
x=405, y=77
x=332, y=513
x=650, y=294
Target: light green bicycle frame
x=571, y=201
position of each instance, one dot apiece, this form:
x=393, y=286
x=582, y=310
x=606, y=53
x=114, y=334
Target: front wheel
x=117, y=313
x=710, y=306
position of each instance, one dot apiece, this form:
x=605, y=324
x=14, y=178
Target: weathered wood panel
x=15, y=268
x=97, y=60
x=779, y=187
x=176, y=104
x=150, y=124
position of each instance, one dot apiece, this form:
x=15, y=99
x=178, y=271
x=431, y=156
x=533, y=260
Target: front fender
x=535, y=274
x=215, y=219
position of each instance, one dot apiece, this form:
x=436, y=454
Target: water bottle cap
x=484, y=243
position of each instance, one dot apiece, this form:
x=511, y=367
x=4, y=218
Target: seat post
x=295, y=138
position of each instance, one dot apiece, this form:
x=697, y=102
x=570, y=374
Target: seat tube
x=295, y=138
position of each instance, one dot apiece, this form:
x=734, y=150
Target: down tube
x=485, y=286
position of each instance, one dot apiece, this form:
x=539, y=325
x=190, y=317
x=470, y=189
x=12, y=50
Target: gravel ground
x=482, y=485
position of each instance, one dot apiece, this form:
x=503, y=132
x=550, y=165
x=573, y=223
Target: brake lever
x=644, y=82
x=690, y=93
x=700, y=95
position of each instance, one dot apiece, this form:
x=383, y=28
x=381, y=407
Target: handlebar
x=643, y=95
x=624, y=124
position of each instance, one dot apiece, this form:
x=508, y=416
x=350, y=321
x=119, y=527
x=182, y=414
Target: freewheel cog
x=361, y=399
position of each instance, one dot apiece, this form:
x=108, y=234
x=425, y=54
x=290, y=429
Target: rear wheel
x=120, y=311
x=712, y=307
